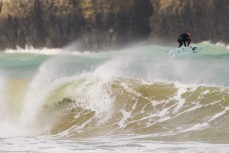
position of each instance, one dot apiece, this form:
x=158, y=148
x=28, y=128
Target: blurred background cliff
x=108, y=24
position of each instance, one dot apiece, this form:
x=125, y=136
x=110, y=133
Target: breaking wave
x=141, y=94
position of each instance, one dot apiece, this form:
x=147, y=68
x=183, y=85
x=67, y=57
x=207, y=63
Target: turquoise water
x=208, y=66
x=138, y=99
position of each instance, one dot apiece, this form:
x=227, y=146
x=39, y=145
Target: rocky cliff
x=93, y=24
x=106, y=24
x=206, y=19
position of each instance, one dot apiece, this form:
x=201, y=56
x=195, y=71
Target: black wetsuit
x=183, y=38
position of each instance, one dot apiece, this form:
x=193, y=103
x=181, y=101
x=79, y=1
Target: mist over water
x=138, y=96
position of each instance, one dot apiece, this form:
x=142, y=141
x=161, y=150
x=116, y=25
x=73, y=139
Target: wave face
x=156, y=110
x=136, y=94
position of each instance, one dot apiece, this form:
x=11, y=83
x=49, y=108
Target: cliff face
x=95, y=24
x=105, y=24
x=206, y=19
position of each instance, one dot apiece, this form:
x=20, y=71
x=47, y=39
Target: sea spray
x=92, y=94
x=3, y=97
x=107, y=100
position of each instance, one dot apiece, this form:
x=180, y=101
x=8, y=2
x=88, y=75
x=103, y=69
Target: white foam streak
x=122, y=123
x=217, y=115
x=43, y=51
x=180, y=100
x=197, y=127
x=32, y=50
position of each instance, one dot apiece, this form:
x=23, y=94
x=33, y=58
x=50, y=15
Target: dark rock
x=92, y=24
x=206, y=19
x=108, y=24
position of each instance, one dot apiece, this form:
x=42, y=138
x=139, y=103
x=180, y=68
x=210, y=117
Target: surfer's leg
x=180, y=42
x=185, y=43
x=189, y=42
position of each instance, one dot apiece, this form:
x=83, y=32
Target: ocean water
x=134, y=100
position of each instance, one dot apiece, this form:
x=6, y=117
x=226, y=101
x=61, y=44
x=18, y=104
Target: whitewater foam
x=115, y=100
x=45, y=51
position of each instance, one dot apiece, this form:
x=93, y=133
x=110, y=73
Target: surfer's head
x=189, y=33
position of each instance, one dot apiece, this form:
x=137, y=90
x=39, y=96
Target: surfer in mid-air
x=185, y=46
x=184, y=38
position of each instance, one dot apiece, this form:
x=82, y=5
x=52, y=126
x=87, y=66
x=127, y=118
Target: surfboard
x=183, y=50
